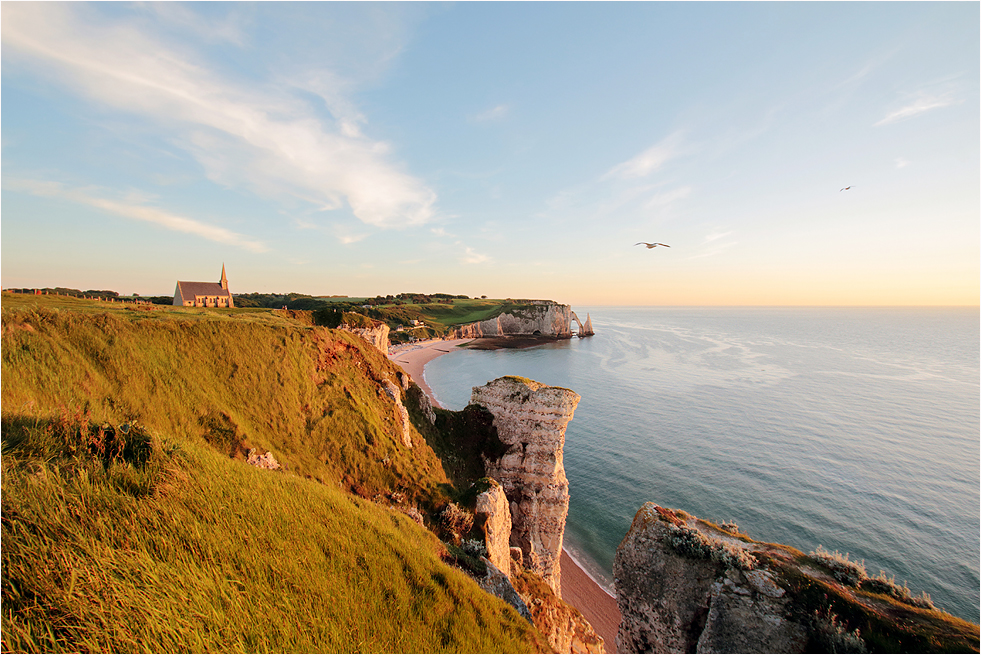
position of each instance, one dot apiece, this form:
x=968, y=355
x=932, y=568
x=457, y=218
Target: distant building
x=204, y=294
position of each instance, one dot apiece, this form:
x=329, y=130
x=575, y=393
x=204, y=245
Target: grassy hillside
x=131, y=523
x=234, y=378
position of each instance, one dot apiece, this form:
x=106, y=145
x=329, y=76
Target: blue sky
x=500, y=149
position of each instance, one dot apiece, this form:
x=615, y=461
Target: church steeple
x=224, y=279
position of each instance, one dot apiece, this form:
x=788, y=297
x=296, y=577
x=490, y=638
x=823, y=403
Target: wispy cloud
x=668, y=197
x=258, y=137
x=227, y=28
x=470, y=256
x=134, y=207
x=923, y=103
x=901, y=163
x=714, y=243
x=494, y=114
x=648, y=161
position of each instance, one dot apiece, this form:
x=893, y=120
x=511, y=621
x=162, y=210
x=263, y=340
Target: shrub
x=474, y=547
x=843, y=569
x=880, y=584
x=692, y=543
x=833, y=636
x=456, y=521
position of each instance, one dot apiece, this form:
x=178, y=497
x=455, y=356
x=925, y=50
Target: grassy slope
x=236, y=378
x=194, y=550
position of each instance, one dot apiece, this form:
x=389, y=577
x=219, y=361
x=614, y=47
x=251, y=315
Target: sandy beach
x=578, y=589
x=414, y=357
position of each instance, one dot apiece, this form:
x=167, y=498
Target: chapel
x=204, y=294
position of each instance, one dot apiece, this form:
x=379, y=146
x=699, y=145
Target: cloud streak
x=668, y=197
x=494, y=114
x=470, y=256
x=260, y=137
x=134, y=209
x=922, y=104
x=647, y=161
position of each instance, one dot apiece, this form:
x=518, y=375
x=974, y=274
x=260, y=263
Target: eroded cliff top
x=689, y=585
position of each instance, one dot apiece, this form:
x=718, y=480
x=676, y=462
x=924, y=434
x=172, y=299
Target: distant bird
x=651, y=245
x=845, y=189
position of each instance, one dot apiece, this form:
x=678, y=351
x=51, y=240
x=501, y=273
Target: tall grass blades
x=130, y=521
x=214, y=555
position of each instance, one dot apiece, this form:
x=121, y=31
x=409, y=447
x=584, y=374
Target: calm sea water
x=855, y=429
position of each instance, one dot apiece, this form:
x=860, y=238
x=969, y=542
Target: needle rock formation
x=531, y=419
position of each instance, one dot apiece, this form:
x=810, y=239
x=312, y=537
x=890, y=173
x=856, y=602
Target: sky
x=513, y=150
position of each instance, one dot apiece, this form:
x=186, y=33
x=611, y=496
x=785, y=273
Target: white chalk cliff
x=540, y=319
x=376, y=335
x=531, y=419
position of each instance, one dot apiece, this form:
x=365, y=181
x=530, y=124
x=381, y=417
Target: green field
x=132, y=523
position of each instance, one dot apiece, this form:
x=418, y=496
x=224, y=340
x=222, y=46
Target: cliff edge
x=687, y=585
x=546, y=319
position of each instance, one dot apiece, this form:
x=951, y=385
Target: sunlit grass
x=308, y=394
x=191, y=551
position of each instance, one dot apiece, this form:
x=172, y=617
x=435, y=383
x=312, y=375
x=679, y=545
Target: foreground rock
x=531, y=419
x=566, y=629
x=494, y=513
x=687, y=586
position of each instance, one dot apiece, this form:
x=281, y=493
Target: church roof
x=189, y=290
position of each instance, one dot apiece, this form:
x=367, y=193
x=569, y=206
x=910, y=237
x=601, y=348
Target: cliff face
x=531, y=419
x=545, y=319
x=675, y=603
x=685, y=585
x=493, y=510
x=566, y=629
x=395, y=393
x=376, y=335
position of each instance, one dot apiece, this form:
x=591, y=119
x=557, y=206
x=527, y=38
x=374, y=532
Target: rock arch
x=585, y=330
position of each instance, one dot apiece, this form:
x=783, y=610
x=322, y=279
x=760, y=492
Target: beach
x=414, y=357
x=578, y=589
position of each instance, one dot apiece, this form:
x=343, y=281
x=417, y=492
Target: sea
x=856, y=429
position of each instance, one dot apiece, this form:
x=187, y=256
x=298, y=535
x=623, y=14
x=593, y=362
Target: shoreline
x=414, y=357
x=578, y=588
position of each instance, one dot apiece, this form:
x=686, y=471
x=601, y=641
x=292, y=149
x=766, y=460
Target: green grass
x=251, y=379
x=130, y=521
x=191, y=551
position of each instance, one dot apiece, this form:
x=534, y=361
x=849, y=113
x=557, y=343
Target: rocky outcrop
x=376, y=334
x=531, y=420
x=419, y=397
x=684, y=585
x=585, y=330
x=498, y=583
x=395, y=393
x=683, y=588
x=494, y=512
x=539, y=319
x=263, y=461
x=566, y=629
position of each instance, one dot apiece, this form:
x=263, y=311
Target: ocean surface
x=854, y=429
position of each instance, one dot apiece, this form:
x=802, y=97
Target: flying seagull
x=845, y=189
x=651, y=245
